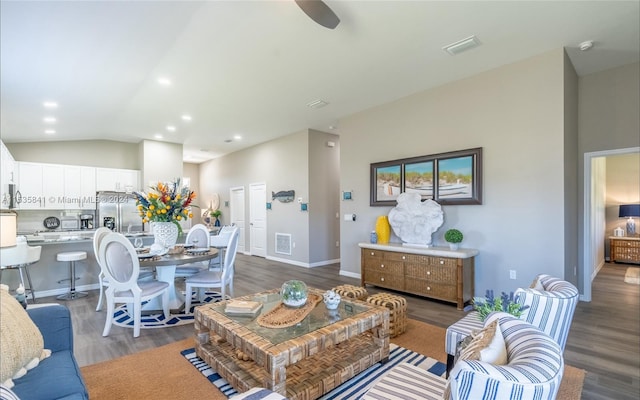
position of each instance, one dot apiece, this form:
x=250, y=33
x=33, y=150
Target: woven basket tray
x=282, y=316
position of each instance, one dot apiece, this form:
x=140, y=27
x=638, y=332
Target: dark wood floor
x=604, y=339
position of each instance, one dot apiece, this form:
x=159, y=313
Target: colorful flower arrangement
x=166, y=203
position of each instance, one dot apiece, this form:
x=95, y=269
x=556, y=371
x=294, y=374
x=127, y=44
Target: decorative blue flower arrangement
x=504, y=303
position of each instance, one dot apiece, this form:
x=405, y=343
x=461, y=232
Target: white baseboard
x=302, y=264
x=350, y=274
x=57, y=292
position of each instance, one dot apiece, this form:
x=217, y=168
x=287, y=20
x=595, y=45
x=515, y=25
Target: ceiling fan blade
x=319, y=12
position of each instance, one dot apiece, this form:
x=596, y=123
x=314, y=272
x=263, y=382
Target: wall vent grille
x=283, y=243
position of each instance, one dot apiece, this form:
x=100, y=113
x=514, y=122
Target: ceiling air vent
x=461, y=45
x=317, y=104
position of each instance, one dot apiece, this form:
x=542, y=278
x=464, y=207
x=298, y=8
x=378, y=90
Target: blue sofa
x=57, y=376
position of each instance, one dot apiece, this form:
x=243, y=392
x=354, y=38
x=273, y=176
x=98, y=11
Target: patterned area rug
x=352, y=389
x=122, y=318
x=632, y=275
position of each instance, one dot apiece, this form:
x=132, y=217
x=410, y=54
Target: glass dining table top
x=319, y=317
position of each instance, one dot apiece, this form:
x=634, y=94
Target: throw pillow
x=537, y=285
x=7, y=394
x=21, y=343
x=486, y=345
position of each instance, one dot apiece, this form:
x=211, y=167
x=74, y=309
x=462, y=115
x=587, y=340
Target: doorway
x=593, y=237
x=236, y=212
x=258, y=219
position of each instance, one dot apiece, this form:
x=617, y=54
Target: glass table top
x=318, y=318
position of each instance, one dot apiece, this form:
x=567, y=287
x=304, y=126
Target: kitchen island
x=51, y=277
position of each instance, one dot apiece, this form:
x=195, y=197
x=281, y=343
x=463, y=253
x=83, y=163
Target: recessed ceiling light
x=584, y=46
x=205, y=150
x=50, y=132
x=237, y=137
x=317, y=103
x=158, y=136
x=462, y=45
x=164, y=81
x=50, y=104
x=49, y=120
x=186, y=117
x=171, y=128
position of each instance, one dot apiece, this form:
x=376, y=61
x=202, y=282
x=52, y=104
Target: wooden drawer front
x=431, y=273
x=431, y=289
x=391, y=256
x=626, y=243
x=385, y=267
x=372, y=256
x=387, y=280
x=442, y=261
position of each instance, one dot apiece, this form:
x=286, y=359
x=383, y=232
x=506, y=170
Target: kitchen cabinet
x=7, y=175
x=434, y=272
x=79, y=187
x=41, y=186
x=117, y=180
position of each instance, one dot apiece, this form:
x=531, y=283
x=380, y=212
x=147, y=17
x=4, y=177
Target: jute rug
x=164, y=373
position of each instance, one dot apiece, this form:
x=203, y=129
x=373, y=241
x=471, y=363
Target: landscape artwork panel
x=388, y=181
x=418, y=178
x=455, y=178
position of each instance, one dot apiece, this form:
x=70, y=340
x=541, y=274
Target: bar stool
x=18, y=258
x=72, y=257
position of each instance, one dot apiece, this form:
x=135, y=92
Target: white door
x=258, y=219
x=236, y=213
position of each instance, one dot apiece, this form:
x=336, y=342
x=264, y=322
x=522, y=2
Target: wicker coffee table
x=301, y=362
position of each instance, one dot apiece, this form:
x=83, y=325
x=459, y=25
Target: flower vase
x=383, y=229
x=217, y=223
x=165, y=234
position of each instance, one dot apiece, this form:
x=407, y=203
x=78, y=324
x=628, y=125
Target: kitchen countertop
x=79, y=236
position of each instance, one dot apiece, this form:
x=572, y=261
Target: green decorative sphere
x=294, y=293
x=453, y=236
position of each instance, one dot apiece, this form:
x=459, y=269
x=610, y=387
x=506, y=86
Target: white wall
x=516, y=113
x=161, y=162
x=92, y=153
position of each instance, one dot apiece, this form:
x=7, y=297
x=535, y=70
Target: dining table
x=165, y=267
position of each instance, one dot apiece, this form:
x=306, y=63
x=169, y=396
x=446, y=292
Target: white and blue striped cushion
x=258, y=393
x=550, y=310
x=407, y=382
x=534, y=370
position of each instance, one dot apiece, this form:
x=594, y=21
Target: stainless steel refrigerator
x=118, y=211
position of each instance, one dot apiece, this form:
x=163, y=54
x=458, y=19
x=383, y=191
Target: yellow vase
x=383, y=229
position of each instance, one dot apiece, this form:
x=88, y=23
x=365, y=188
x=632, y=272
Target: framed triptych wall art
x=448, y=178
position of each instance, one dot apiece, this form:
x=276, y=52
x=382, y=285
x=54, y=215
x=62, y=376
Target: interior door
x=236, y=213
x=258, y=219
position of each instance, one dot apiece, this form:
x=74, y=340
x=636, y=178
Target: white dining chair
x=122, y=269
x=100, y=233
x=215, y=278
x=198, y=236
x=220, y=242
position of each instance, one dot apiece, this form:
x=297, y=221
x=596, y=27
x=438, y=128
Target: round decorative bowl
x=331, y=299
x=294, y=293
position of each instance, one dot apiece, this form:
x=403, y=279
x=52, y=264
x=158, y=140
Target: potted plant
x=454, y=237
x=216, y=214
x=505, y=303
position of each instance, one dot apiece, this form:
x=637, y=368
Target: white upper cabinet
x=41, y=186
x=7, y=175
x=79, y=187
x=117, y=180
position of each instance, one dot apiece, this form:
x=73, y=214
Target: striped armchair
x=533, y=371
x=550, y=309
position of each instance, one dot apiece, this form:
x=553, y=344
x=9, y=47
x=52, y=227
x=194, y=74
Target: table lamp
x=8, y=229
x=630, y=211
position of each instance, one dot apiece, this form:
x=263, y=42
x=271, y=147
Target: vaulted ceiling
x=248, y=69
